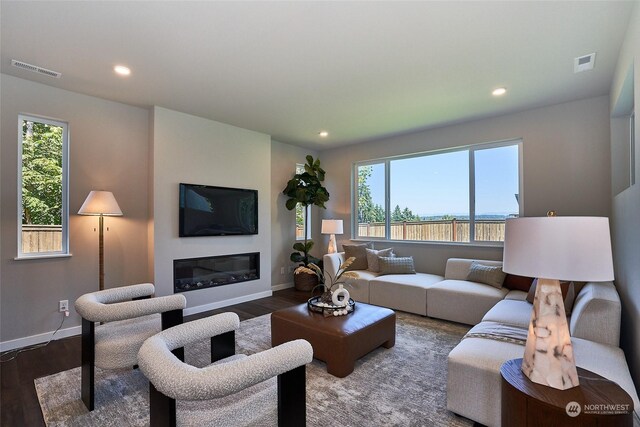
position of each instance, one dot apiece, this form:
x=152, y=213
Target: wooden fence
x=439, y=231
x=41, y=238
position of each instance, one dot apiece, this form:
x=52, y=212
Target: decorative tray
x=326, y=309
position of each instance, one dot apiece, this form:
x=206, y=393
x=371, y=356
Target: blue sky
x=439, y=184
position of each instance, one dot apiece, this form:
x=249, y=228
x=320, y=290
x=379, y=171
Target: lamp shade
x=100, y=203
x=332, y=226
x=562, y=248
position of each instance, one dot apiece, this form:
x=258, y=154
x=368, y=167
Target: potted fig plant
x=306, y=189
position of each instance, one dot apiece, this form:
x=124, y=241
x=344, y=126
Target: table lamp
x=332, y=227
x=554, y=249
x=100, y=203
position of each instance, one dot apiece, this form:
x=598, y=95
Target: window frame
x=300, y=166
x=471, y=150
x=632, y=148
x=64, y=251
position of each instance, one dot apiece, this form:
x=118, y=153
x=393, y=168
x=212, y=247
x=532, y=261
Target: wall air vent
x=584, y=63
x=35, y=69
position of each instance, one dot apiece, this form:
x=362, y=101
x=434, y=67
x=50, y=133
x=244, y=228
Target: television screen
x=217, y=211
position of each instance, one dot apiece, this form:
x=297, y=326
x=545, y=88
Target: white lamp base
x=548, y=355
x=332, y=244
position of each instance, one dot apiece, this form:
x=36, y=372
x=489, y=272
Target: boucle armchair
x=128, y=316
x=235, y=390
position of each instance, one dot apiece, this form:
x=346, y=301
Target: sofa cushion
x=359, y=288
x=510, y=312
x=516, y=295
x=406, y=292
x=487, y=274
x=396, y=265
x=373, y=258
x=458, y=268
x=359, y=252
x=462, y=301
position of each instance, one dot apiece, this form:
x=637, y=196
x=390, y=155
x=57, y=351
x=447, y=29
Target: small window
x=632, y=147
x=42, y=187
x=371, y=200
x=300, y=213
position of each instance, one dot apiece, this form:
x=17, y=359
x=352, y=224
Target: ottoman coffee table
x=337, y=340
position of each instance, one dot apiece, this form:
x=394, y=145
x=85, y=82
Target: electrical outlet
x=281, y=270
x=63, y=305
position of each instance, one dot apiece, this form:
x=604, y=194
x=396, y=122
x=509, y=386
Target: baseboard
x=282, y=286
x=77, y=330
x=40, y=338
x=226, y=303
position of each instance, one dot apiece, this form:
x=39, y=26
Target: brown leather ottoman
x=338, y=341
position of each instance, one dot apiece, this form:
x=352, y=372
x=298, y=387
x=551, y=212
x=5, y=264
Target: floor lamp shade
x=332, y=227
x=553, y=249
x=100, y=203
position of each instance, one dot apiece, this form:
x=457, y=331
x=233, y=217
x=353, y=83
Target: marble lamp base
x=332, y=244
x=548, y=356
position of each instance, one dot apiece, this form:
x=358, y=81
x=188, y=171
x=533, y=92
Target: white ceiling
x=360, y=70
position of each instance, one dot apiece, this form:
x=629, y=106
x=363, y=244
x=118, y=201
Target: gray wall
x=108, y=145
x=283, y=166
x=566, y=167
x=199, y=151
x=626, y=207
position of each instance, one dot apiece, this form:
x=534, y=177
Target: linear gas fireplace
x=206, y=272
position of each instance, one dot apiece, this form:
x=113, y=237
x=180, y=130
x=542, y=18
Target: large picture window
x=458, y=195
x=42, y=187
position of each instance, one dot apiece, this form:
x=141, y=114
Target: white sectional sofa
x=474, y=364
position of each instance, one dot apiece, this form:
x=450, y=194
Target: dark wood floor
x=18, y=401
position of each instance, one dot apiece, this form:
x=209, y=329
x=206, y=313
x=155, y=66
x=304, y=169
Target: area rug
x=401, y=386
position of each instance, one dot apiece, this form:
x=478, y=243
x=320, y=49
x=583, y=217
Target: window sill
x=435, y=243
x=41, y=256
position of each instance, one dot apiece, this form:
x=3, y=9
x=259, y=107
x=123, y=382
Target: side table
x=595, y=402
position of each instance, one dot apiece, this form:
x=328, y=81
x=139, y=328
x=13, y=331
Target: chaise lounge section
x=474, y=382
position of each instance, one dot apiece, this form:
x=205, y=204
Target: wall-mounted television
x=217, y=211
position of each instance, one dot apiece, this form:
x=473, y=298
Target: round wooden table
x=595, y=402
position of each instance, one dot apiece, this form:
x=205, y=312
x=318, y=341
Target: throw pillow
x=359, y=252
x=489, y=275
x=373, y=264
x=517, y=283
x=568, y=294
x=396, y=265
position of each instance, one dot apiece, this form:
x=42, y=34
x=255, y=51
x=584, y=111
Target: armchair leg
x=170, y=319
x=223, y=345
x=292, y=398
x=88, y=362
x=162, y=409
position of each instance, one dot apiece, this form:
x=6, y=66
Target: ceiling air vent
x=584, y=63
x=35, y=69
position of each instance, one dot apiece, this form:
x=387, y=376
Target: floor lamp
x=554, y=249
x=100, y=203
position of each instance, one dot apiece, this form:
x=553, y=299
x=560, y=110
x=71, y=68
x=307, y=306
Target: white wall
x=108, y=144
x=566, y=167
x=626, y=209
x=283, y=166
x=194, y=150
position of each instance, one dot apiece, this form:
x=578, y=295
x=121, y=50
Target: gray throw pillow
x=373, y=258
x=359, y=252
x=489, y=275
x=396, y=265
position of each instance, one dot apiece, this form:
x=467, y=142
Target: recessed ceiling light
x=500, y=91
x=122, y=70
x=323, y=134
